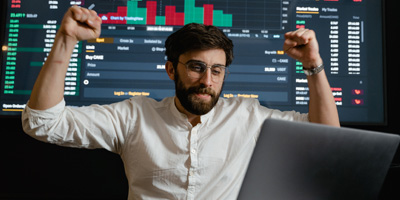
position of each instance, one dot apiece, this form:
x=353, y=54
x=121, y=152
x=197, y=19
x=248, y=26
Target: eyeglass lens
x=197, y=69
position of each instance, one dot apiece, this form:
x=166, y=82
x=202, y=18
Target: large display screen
x=128, y=58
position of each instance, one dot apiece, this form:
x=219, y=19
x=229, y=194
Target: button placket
x=193, y=146
x=194, y=162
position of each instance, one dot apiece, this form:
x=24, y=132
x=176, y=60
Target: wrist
x=315, y=70
x=65, y=39
x=63, y=45
x=312, y=63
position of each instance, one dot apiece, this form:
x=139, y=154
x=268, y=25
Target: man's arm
x=303, y=46
x=78, y=24
x=46, y=117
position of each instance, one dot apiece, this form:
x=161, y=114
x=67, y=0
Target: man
x=192, y=146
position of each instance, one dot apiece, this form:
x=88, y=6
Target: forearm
x=49, y=86
x=302, y=45
x=78, y=24
x=322, y=107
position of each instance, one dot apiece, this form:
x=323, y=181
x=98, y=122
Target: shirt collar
x=182, y=117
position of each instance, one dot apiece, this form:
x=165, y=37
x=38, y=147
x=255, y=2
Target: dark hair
x=195, y=36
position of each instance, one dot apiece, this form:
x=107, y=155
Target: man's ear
x=169, y=67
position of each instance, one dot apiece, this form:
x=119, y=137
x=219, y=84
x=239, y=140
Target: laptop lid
x=295, y=160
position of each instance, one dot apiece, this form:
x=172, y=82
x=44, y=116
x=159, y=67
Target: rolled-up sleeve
x=90, y=127
x=263, y=113
x=290, y=115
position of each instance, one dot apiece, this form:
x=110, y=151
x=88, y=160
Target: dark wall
x=31, y=169
x=390, y=187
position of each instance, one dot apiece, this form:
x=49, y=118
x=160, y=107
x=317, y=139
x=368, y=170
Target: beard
x=189, y=100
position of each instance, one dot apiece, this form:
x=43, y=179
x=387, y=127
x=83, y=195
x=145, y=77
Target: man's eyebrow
x=193, y=60
x=214, y=65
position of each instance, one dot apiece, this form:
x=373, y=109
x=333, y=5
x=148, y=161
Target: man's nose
x=206, y=79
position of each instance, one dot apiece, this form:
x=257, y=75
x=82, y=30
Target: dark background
x=30, y=169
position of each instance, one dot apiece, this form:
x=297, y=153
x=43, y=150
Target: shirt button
x=191, y=173
x=193, y=151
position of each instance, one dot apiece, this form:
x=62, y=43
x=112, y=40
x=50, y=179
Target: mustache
x=202, y=90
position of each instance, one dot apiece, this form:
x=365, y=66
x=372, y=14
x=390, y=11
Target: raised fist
x=80, y=24
x=302, y=45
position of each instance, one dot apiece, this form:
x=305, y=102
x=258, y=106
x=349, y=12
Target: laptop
x=294, y=160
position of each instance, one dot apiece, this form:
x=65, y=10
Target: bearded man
x=191, y=146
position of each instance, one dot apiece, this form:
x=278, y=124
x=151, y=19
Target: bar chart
x=237, y=14
x=132, y=13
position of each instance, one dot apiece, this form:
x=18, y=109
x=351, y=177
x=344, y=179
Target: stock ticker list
x=128, y=58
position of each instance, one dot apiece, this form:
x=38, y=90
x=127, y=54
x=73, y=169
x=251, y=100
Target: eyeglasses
x=196, y=70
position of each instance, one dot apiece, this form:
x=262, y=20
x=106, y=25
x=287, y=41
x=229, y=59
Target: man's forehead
x=210, y=56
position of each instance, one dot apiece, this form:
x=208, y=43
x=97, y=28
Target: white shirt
x=163, y=155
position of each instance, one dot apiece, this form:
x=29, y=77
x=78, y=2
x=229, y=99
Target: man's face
x=199, y=95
